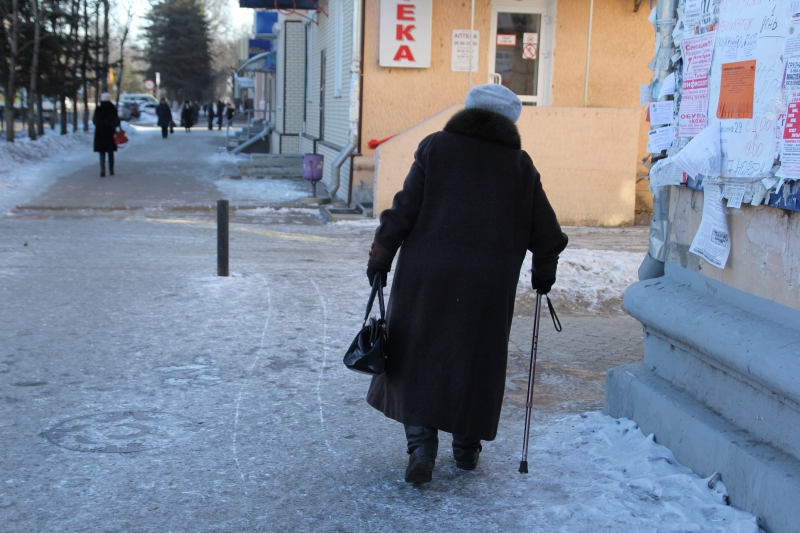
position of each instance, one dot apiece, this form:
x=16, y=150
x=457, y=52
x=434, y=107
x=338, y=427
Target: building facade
x=413, y=62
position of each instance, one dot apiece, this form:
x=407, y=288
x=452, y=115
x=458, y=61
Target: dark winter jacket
x=469, y=209
x=164, y=114
x=187, y=116
x=220, y=111
x=106, y=121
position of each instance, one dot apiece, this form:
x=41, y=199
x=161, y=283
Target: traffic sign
x=149, y=85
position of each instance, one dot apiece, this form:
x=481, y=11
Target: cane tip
x=523, y=467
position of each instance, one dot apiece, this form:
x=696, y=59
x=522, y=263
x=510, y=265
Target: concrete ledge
x=760, y=479
x=755, y=340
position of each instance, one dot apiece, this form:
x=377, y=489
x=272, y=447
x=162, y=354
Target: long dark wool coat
x=470, y=207
x=105, y=120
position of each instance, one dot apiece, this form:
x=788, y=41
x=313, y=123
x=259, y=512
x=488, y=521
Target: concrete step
x=336, y=213
x=247, y=170
x=270, y=160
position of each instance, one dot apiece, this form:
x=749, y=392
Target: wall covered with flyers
x=735, y=100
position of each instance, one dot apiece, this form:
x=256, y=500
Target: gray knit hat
x=495, y=98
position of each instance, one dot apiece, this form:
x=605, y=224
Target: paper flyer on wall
x=697, y=57
x=662, y=112
x=660, y=139
x=702, y=155
x=790, y=136
x=746, y=99
x=712, y=241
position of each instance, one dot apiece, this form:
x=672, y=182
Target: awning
x=280, y=4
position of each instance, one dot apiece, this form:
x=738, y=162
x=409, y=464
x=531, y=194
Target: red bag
x=120, y=139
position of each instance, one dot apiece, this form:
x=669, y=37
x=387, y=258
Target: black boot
x=423, y=444
x=111, y=163
x=102, y=164
x=466, y=451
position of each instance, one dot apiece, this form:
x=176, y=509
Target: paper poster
x=667, y=86
x=694, y=107
x=737, y=89
x=712, y=241
x=530, y=38
x=504, y=39
x=459, y=58
x=697, y=57
x=664, y=172
x=703, y=153
x=790, y=152
x=645, y=94
x=698, y=54
x=662, y=112
x=748, y=31
x=660, y=139
x=735, y=193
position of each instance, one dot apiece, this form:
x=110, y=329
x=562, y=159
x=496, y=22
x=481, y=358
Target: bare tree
x=13, y=37
x=124, y=30
x=34, y=70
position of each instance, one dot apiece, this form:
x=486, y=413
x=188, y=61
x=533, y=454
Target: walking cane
x=523, y=464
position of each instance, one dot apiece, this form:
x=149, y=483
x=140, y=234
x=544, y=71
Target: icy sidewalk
x=613, y=478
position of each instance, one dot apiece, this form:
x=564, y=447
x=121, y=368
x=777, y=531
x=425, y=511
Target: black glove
x=542, y=286
x=372, y=272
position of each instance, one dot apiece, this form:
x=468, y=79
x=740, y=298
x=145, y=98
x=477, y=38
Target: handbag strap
x=377, y=288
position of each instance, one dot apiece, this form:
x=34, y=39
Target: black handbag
x=367, y=353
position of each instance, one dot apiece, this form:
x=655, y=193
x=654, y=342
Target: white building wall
x=337, y=102
x=290, y=87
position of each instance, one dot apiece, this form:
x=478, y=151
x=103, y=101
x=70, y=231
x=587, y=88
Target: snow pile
x=264, y=191
x=587, y=280
x=25, y=151
x=616, y=479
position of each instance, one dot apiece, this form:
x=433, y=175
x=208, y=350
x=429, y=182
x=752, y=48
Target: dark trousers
x=427, y=439
x=165, y=131
x=110, y=162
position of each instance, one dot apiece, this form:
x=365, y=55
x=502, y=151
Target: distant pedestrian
x=205, y=108
x=164, y=114
x=106, y=121
x=187, y=116
x=196, y=110
x=220, y=112
x=471, y=206
x=229, y=112
x=211, y=115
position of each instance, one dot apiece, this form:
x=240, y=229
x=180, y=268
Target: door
x=520, y=50
x=322, y=95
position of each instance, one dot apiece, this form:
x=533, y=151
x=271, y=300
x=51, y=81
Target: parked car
x=123, y=111
x=133, y=107
x=139, y=98
x=148, y=107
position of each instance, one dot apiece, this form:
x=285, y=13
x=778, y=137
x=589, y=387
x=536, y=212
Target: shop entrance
x=520, y=49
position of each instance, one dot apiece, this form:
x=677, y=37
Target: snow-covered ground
x=29, y=167
x=587, y=280
x=611, y=477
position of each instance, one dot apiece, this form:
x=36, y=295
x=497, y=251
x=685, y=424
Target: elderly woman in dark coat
x=470, y=207
x=106, y=121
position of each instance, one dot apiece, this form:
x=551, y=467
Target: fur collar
x=485, y=124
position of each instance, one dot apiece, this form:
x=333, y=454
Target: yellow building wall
x=622, y=46
x=395, y=99
x=586, y=157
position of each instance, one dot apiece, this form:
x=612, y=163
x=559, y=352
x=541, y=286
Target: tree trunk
x=34, y=72
x=12, y=65
x=62, y=100
x=40, y=120
x=84, y=61
x=75, y=114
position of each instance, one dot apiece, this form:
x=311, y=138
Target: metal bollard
x=222, y=237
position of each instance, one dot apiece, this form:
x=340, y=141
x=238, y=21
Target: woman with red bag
x=106, y=121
